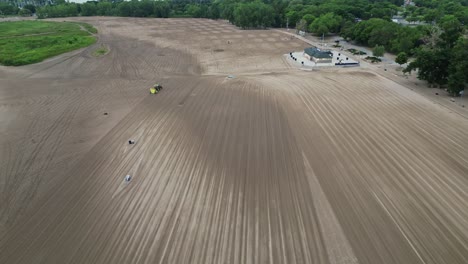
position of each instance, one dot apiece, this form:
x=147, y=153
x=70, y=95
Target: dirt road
x=274, y=165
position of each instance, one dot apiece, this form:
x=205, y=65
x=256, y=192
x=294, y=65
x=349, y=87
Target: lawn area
x=101, y=51
x=26, y=42
x=89, y=27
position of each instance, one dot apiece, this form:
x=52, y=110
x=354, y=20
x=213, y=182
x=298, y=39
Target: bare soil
x=271, y=165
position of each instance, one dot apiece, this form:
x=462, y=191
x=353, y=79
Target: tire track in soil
x=24, y=173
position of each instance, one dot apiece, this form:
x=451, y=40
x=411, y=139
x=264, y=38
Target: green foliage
x=21, y=28
x=356, y=52
x=432, y=65
x=64, y=10
x=301, y=25
x=383, y=35
x=196, y=10
x=193, y=10
x=452, y=30
x=145, y=8
x=434, y=10
x=104, y=8
x=253, y=15
x=31, y=8
x=402, y=58
x=100, y=51
x=373, y=59
x=292, y=18
x=283, y=11
x=444, y=59
x=326, y=23
x=27, y=42
x=458, y=69
x=88, y=27
x=406, y=39
x=378, y=51
x=8, y=9
x=89, y=9
x=393, y=37
x=309, y=18
x=25, y=12
x=362, y=31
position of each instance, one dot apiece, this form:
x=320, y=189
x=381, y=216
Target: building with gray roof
x=317, y=55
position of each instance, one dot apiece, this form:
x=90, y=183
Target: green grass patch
x=357, y=52
x=101, y=51
x=373, y=59
x=26, y=42
x=89, y=27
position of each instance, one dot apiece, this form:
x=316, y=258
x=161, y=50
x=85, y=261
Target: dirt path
x=273, y=165
x=85, y=29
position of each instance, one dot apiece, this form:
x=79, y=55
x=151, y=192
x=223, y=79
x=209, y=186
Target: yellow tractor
x=155, y=89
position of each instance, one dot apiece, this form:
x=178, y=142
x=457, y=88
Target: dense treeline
x=392, y=36
x=434, y=10
x=435, y=41
x=8, y=9
x=444, y=57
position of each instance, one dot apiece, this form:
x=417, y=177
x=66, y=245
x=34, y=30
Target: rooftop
x=317, y=53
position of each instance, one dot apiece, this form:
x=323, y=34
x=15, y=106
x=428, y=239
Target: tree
x=406, y=39
x=292, y=17
x=125, y=9
x=162, y=9
x=142, y=8
x=88, y=9
x=312, y=10
x=444, y=58
x=383, y=35
x=227, y=10
x=379, y=30
x=412, y=19
x=432, y=15
x=431, y=65
x=319, y=29
x=7, y=9
x=301, y=25
x=326, y=23
x=213, y=11
x=63, y=10
x=378, y=51
x=462, y=15
x=452, y=30
x=25, y=12
x=402, y=58
x=253, y=15
x=30, y=7
x=193, y=10
x=309, y=18
x=104, y=8
x=432, y=37
x=458, y=75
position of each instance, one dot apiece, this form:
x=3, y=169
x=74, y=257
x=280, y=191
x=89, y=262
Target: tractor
x=156, y=88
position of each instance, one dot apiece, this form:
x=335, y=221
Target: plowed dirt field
x=271, y=165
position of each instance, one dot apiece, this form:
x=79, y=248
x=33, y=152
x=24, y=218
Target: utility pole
x=287, y=23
